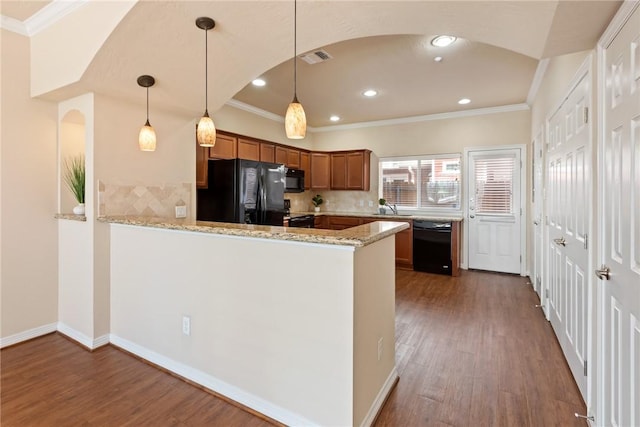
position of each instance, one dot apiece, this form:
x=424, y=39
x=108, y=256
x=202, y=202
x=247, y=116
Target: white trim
x=618, y=21
x=212, y=383
x=537, y=80
x=50, y=14
x=255, y=110
x=13, y=25
x=380, y=398
x=523, y=200
x=100, y=341
x=426, y=118
x=27, y=335
x=75, y=335
x=390, y=122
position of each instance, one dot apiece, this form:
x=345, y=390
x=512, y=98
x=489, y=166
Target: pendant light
x=206, y=130
x=295, y=121
x=147, y=137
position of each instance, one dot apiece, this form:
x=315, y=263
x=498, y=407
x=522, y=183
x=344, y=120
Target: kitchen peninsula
x=296, y=324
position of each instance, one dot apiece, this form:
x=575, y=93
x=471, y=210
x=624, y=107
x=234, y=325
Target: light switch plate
x=181, y=211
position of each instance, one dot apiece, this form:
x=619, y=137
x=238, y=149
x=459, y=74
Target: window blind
x=494, y=185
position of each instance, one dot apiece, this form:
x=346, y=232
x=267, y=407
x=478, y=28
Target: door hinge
x=520, y=259
x=586, y=241
x=520, y=211
x=585, y=368
x=586, y=115
x=546, y=293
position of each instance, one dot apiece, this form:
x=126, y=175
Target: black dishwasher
x=432, y=246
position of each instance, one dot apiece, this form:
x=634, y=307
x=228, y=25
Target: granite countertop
x=387, y=217
x=359, y=236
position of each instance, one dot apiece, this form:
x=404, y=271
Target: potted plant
x=74, y=176
x=382, y=202
x=317, y=201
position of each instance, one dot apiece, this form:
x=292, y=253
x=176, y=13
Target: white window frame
x=448, y=211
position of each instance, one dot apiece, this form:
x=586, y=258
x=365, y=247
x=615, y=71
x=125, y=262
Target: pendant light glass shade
x=206, y=130
x=147, y=136
x=295, y=122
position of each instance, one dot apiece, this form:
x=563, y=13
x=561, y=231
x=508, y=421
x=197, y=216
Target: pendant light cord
x=295, y=50
x=147, y=104
x=206, y=73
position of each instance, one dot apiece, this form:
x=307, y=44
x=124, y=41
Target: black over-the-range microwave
x=294, y=181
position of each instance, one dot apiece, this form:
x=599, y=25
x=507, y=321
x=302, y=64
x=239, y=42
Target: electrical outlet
x=380, y=341
x=181, y=211
x=361, y=203
x=186, y=325
x=370, y=203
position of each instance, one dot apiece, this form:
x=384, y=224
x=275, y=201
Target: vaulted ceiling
x=374, y=44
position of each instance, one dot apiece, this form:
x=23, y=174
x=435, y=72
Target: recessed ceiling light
x=443, y=41
x=259, y=82
x=334, y=118
x=370, y=93
x=464, y=101
x=438, y=58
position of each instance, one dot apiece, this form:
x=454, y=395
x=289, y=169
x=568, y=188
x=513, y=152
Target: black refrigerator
x=244, y=192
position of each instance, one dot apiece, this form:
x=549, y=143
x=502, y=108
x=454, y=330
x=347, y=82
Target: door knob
x=536, y=222
x=560, y=241
x=585, y=417
x=603, y=273
x=472, y=216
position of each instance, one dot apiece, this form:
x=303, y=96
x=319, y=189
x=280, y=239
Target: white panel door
x=495, y=210
x=620, y=228
x=568, y=210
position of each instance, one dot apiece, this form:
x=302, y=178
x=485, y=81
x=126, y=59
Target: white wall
x=29, y=187
x=264, y=319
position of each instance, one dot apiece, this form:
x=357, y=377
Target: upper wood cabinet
x=248, y=149
x=358, y=170
x=226, y=147
x=293, y=158
x=320, y=171
x=202, y=166
x=281, y=155
x=350, y=170
x=338, y=171
x=305, y=165
x=267, y=152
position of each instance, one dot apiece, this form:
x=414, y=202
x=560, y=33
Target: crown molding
x=45, y=17
x=621, y=17
x=390, y=122
x=13, y=25
x=537, y=80
x=426, y=118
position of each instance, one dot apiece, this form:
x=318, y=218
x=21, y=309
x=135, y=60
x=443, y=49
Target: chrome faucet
x=393, y=208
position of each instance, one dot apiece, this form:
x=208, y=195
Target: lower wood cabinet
x=342, y=222
x=404, y=247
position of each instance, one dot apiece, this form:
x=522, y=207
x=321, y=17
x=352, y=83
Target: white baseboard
x=90, y=343
x=214, y=384
x=27, y=335
x=380, y=398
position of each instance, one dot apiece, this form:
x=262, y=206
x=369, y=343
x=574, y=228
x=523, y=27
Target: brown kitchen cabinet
x=281, y=155
x=350, y=170
x=338, y=171
x=267, y=152
x=226, y=147
x=305, y=165
x=293, y=158
x=404, y=247
x=248, y=149
x=202, y=166
x=320, y=221
x=320, y=171
x=342, y=222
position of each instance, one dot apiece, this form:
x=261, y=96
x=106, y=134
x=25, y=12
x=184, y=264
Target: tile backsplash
x=144, y=200
x=335, y=201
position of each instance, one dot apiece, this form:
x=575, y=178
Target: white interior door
x=495, y=210
x=569, y=212
x=620, y=230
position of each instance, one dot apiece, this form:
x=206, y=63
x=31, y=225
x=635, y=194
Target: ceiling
x=492, y=63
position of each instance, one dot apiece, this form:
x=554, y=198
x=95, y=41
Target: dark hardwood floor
x=471, y=351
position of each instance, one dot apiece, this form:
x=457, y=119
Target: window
x=421, y=182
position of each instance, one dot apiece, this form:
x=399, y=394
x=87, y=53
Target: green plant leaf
x=74, y=176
